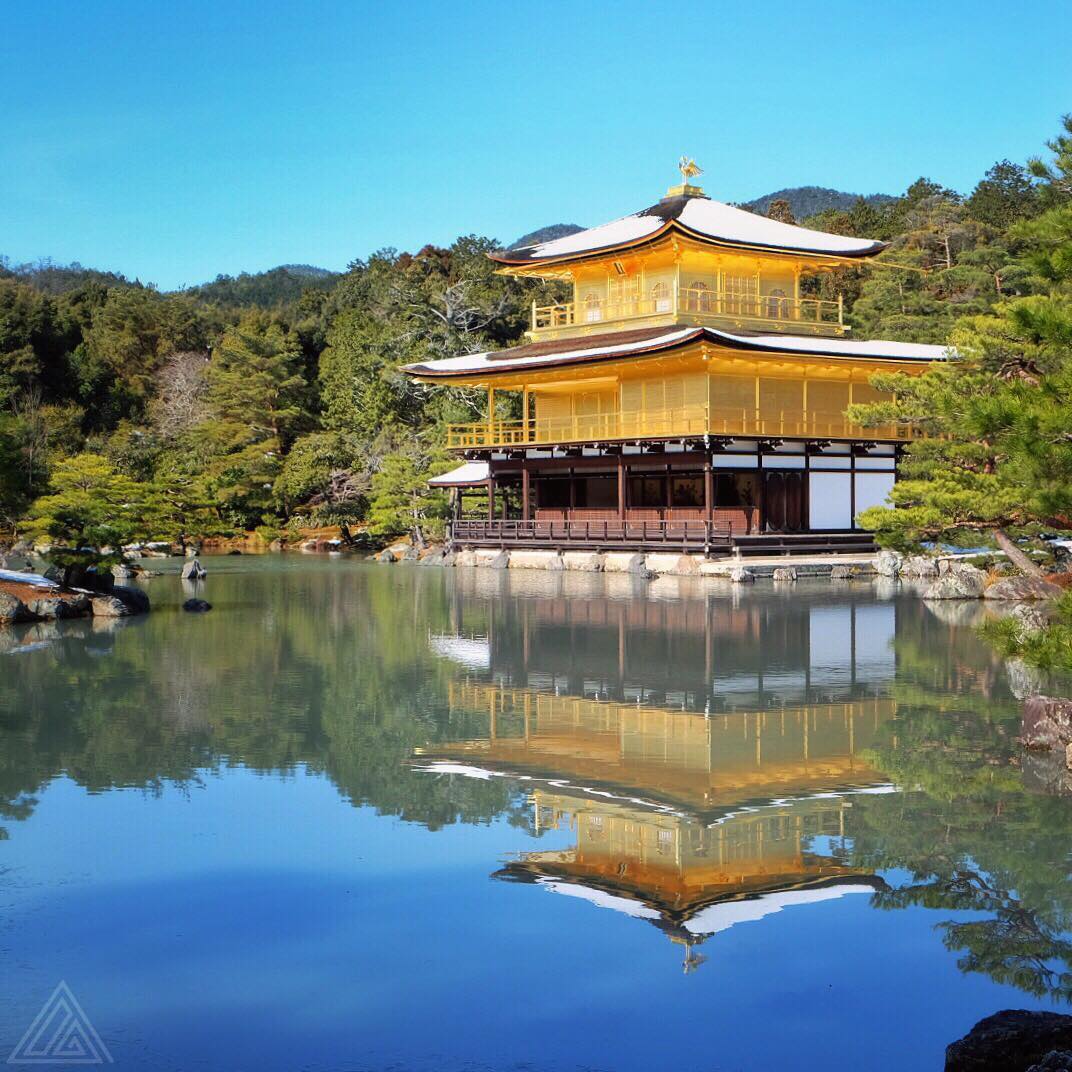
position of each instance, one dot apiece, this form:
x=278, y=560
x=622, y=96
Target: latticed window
x=741, y=292
x=593, y=309
x=777, y=305
x=698, y=297
x=660, y=296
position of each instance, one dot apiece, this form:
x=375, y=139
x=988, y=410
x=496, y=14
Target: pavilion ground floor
x=714, y=497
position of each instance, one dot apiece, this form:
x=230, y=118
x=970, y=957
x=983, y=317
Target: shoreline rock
x=1013, y=1040
x=958, y=582
x=1022, y=589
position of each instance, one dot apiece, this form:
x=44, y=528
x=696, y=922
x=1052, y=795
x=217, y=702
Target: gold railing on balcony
x=772, y=310
x=695, y=420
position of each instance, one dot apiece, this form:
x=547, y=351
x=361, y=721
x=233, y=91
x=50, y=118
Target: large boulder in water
x=961, y=582
x=120, y=603
x=109, y=607
x=13, y=610
x=1015, y=1040
x=134, y=598
x=920, y=566
x=1022, y=589
x=50, y=607
x=888, y=563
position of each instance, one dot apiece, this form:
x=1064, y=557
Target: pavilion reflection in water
x=707, y=808
x=689, y=879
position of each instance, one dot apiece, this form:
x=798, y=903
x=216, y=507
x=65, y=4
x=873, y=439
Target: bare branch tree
x=182, y=387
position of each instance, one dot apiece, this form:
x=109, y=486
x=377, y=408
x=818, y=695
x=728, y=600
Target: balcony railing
x=696, y=420
x=643, y=534
x=773, y=311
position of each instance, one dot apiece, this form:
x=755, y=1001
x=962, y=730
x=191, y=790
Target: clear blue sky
x=175, y=141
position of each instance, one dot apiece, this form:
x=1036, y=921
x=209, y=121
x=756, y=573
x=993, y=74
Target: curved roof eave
x=647, y=342
x=675, y=224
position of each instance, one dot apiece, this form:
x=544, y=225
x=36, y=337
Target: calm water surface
x=368, y=817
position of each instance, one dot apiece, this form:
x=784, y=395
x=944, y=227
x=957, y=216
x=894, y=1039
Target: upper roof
x=697, y=217
x=645, y=341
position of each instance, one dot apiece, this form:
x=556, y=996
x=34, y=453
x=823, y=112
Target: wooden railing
x=641, y=534
x=695, y=420
x=694, y=303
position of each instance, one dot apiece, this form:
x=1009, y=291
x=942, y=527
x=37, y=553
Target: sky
x=173, y=142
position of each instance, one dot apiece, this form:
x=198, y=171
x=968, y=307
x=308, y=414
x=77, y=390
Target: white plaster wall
x=830, y=500
x=872, y=489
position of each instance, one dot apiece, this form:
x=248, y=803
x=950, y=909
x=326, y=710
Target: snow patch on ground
x=26, y=578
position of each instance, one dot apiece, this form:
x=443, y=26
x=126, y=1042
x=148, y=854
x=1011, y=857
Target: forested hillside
x=808, y=200
x=274, y=400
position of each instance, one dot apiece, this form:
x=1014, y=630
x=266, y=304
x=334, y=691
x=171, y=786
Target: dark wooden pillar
x=621, y=487
x=708, y=489
x=759, y=518
x=491, y=498
x=525, y=493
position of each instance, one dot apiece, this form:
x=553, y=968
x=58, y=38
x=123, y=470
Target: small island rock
x=197, y=606
x=194, y=571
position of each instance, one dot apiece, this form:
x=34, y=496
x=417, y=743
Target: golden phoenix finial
x=689, y=168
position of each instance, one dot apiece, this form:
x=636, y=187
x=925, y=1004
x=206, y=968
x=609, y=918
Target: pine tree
x=256, y=396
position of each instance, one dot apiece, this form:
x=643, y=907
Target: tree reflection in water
x=349, y=673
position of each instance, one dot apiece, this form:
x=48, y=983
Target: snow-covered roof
x=643, y=341
x=464, y=476
x=722, y=916
x=701, y=218
x=601, y=898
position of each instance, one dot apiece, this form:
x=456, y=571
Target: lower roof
x=645, y=341
x=465, y=476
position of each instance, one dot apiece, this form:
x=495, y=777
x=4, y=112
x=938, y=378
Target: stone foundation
x=654, y=564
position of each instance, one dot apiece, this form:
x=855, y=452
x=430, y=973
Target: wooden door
x=784, y=501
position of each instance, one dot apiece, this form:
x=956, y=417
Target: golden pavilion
x=691, y=392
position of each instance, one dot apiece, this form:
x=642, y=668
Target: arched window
x=777, y=305
x=593, y=309
x=660, y=296
x=698, y=297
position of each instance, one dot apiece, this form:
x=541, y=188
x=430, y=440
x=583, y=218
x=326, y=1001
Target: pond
x=395, y=817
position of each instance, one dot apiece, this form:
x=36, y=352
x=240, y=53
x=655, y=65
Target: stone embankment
x=31, y=597
x=653, y=564
x=945, y=577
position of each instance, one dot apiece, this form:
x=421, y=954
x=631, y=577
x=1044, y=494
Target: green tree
x=401, y=501
x=1055, y=176
x=91, y=511
x=256, y=396
x=1005, y=195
